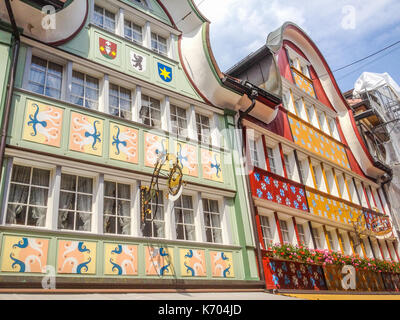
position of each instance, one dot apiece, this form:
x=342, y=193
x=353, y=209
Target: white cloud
x=240, y=27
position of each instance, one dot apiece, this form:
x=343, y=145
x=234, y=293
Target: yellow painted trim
x=351, y=244
x=337, y=182
x=305, y=109
x=312, y=173
x=340, y=241
x=294, y=103
x=325, y=178
x=347, y=188
x=363, y=249
x=327, y=238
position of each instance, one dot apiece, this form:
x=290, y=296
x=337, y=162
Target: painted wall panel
x=193, y=263
x=120, y=259
x=76, y=257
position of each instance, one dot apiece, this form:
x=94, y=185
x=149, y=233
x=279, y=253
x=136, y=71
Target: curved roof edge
x=275, y=42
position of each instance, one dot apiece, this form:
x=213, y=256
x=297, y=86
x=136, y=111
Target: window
x=284, y=231
x=304, y=71
x=141, y=2
x=76, y=199
x=288, y=166
x=104, y=18
x=158, y=44
x=255, y=159
x=344, y=244
x=333, y=128
x=184, y=219
x=212, y=221
x=318, y=177
x=322, y=121
x=299, y=107
x=271, y=159
x=302, y=236
x=331, y=242
x=266, y=230
x=154, y=225
x=317, y=238
x=117, y=208
x=178, y=121
x=150, y=113
x=302, y=172
x=120, y=102
x=310, y=113
x=203, y=128
x=85, y=90
x=27, y=199
x=133, y=32
x=45, y=77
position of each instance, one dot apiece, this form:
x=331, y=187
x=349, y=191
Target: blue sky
x=344, y=31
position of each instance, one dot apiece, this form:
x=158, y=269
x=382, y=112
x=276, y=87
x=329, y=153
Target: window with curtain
x=85, y=90
x=154, y=226
x=184, y=218
x=45, y=77
x=203, y=128
x=133, y=32
x=117, y=208
x=255, y=159
x=179, y=123
x=76, y=203
x=212, y=221
x=271, y=159
x=330, y=239
x=284, y=231
x=150, y=112
x=104, y=18
x=159, y=44
x=302, y=235
x=288, y=166
x=120, y=102
x=266, y=231
x=317, y=238
x=28, y=196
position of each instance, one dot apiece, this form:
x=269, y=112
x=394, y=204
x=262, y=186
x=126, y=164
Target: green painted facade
x=86, y=47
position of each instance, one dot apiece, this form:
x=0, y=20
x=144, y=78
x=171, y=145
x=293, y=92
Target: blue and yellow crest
x=164, y=72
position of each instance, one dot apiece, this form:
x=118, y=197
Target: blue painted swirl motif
x=164, y=269
x=34, y=121
x=23, y=243
x=163, y=253
x=83, y=266
x=189, y=254
x=117, y=142
x=117, y=250
x=17, y=262
x=116, y=266
x=223, y=257
x=180, y=157
x=82, y=247
x=216, y=166
x=226, y=271
x=95, y=135
x=189, y=269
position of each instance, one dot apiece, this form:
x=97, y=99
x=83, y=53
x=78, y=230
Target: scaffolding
x=383, y=96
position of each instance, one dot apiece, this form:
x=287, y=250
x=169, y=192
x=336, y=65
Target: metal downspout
x=10, y=85
x=253, y=97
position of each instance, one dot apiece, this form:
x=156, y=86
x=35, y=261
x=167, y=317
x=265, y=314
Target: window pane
x=40, y=177
x=67, y=201
x=85, y=185
x=38, y=196
x=190, y=233
x=188, y=217
x=217, y=235
x=18, y=194
x=110, y=206
x=109, y=224
x=16, y=214
x=110, y=189
x=66, y=220
x=84, y=203
x=124, y=208
x=180, y=232
x=83, y=222
x=37, y=217
x=21, y=174
x=68, y=182
x=124, y=191
x=159, y=230
x=216, y=221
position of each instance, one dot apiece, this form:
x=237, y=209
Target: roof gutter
x=10, y=84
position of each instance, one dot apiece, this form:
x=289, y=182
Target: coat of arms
x=107, y=48
x=164, y=72
x=138, y=62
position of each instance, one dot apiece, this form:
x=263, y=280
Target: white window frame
x=119, y=101
x=85, y=74
x=104, y=11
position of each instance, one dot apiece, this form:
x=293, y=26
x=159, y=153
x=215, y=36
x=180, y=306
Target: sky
x=344, y=31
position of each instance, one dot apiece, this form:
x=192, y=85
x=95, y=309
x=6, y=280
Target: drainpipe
x=252, y=96
x=10, y=85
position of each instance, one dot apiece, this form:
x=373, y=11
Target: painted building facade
x=96, y=100
x=312, y=177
